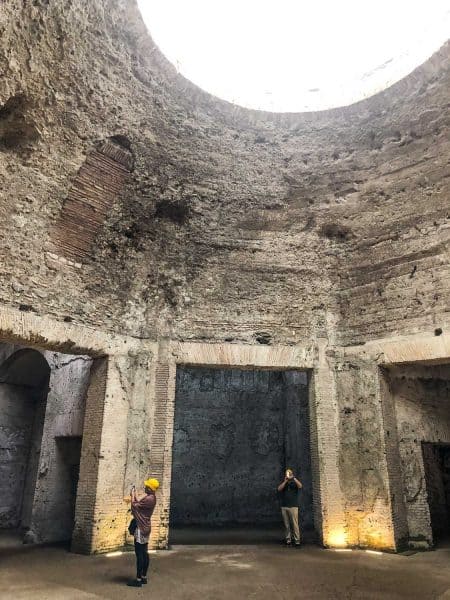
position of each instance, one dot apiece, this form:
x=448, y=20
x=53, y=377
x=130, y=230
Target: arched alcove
x=320, y=231
x=24, y=378
x=26, y=367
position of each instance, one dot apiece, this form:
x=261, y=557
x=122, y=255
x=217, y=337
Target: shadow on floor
x=232, y=535
x=10, y=538
x=11, y=543
x=443, y=543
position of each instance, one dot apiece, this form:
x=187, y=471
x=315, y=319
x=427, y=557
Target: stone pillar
x=115, y=441
x=393, y=462
x=85, y=514
x=363, y=466
x=329, y=516
x=163, y=400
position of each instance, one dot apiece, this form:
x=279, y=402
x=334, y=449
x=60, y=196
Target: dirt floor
x=226, y=572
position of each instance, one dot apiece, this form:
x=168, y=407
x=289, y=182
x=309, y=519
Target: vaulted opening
x=421, y=400
x=235, y=433
x=436, y=461
x=42, y=402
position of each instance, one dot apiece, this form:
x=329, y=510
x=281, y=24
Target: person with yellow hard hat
x=142, y=510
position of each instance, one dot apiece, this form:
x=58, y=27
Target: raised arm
x=282, y=485
x=298, y=483
x=135, y=500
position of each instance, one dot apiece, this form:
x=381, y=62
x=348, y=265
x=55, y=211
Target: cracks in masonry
x=122, y=378
x=86, y=359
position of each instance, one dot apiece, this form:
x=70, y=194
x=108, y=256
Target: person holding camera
x=289, y=490
x=142, y=510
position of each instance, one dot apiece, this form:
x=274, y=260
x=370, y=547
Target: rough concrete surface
x=228, y=573
x=42, y=401
x=231, y=224
x=147, y=224
x=235, y=432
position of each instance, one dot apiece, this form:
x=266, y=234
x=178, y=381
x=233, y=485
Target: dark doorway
x=42, y=402
x=436, y=459
x=24, y=378
x=235, y=432
x=68, y=455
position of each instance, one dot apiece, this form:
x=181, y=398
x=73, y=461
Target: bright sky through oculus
x=291, y=55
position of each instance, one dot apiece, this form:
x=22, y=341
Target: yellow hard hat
x=151, y=483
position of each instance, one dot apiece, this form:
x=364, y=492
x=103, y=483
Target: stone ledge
x=243, y=355
x=46, y=333
x=419, y=348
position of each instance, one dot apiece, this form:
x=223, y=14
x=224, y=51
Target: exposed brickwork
x=161, y=444
x=304, y=235
x=228, y=355
x=97, y=185
x=315, y=458
x=393, y=463
x=83, y=533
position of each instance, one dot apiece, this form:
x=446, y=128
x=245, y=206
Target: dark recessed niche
x=335, y=231
x=263, y=338
x=176, y=211
x=438, y=331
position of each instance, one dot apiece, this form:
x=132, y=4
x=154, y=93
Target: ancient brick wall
x=396, y=279
x=212, y=223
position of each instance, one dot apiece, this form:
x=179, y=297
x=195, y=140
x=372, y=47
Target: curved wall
x=207, y=221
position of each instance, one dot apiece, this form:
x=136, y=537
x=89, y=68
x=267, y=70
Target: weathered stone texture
x=212, y=223
x=363, y=469
x=421, y=398
x=235, y=432
x=41, y=425
x=16, y=428
x=234, y=223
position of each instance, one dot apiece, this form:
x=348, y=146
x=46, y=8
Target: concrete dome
x=230, y=222
x=147, y=224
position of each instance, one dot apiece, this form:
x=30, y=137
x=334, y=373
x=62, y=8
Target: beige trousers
x=290, y=520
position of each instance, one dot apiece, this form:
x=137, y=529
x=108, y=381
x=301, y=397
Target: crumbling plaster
x=316, y=241
x=234, y=225
x=421, y=399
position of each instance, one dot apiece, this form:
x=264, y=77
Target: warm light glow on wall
x=336, y=538
x=379, y=539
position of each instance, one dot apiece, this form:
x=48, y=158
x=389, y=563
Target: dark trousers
x=142, y=559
